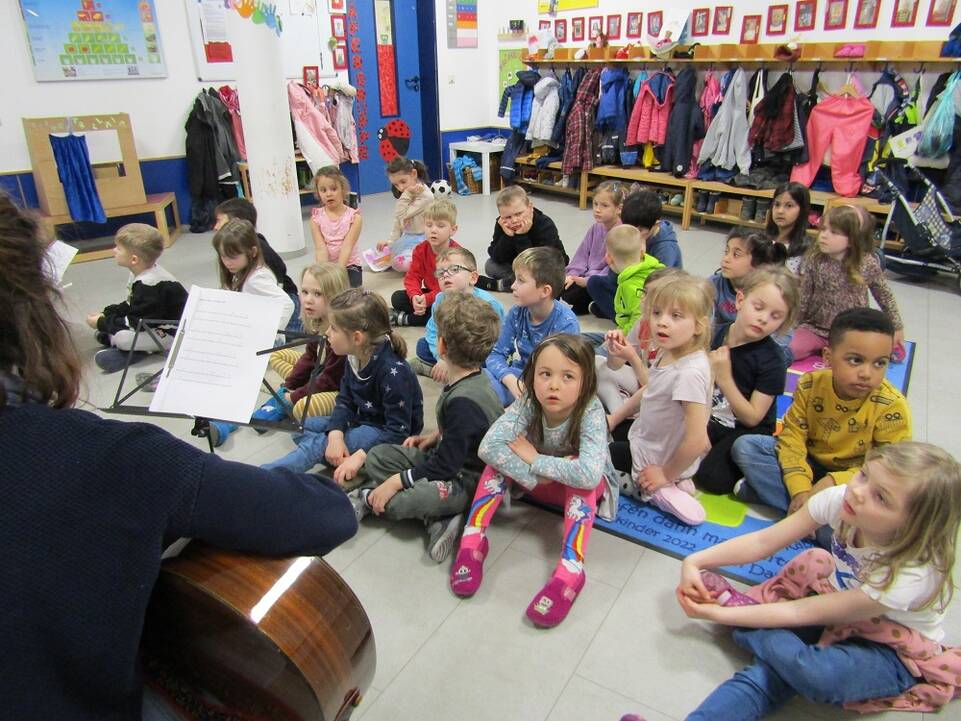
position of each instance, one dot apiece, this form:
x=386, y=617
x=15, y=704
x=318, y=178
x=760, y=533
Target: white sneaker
x=358, y=500
x=442, y=534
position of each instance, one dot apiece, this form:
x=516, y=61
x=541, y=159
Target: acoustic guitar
x=232, y=636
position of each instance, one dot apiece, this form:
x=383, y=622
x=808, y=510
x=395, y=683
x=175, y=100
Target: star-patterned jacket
x=384, y=394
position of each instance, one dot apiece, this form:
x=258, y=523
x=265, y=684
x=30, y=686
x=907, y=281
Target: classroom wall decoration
x=722, y=19
x=509, y=63
x=461, y=24
x=577, y=29
x=750, y=29
x=386, y=61
x=635, y=21
x=700, y=22
x=940, y=13
x=866, y=14
x=905, y=13
x=805, y=15
x=93, y=40
x=777, y=19
x=544, y=6
x=359, y=78
x=835, y=14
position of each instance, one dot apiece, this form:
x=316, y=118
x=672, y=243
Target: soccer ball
x=440, y=188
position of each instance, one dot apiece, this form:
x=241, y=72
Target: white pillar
x=265, y=113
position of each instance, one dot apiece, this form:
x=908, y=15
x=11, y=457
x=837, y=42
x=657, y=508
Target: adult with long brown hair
x=89, y=504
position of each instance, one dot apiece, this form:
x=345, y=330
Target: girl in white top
x=669, y=437
x=879, y=598
x=241, y=265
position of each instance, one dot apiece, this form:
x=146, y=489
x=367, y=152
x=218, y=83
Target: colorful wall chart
x=93, y=39
x=386, y=62
x=461, y=24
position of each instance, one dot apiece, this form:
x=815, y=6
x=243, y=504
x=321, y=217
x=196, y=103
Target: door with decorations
x=382, y=38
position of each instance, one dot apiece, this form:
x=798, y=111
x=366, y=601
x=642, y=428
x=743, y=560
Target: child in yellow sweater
x=838, y=414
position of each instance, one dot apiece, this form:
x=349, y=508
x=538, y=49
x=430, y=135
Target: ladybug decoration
x=394, y=139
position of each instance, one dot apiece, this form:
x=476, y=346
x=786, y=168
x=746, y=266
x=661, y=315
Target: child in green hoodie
x=629, y=261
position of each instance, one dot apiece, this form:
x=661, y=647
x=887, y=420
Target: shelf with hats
x=874, y=51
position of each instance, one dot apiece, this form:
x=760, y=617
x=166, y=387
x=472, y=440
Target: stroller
x=931, y=234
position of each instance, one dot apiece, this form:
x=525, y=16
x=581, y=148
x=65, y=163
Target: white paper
x=58, y=258
x=213, y=370
x=213, y=21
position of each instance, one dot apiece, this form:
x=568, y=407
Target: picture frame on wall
x=337, y=6
x=560, y=31
x=654, y=22
x=805, y=15
x=777, y=20
x=722, y=19
x=750, y=29
x=543, y=25
x=835, y=14
x=634, y=25
x=940, y=13
x=866, y=14
x=338, y=26
x=577, y=30
x=613, y=27
x=311, y=76
x=700, y=22
x=340, y=57
x=905, y=13
x=595, y=26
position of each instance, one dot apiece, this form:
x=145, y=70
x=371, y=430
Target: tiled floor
x=626, y=646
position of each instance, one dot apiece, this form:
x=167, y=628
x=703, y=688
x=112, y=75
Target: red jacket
x=649, y=118
x=420, y=278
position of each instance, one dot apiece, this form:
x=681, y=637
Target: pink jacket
x=709, y=97
x=231, y=99
x=939, y=666
x=314, y=120
x=649, y=117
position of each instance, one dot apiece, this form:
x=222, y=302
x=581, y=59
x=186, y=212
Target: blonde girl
x=861, y=626
x=410, y=184
x=335, y=226
x=380, y=400
x=240, y=263
x=590, y=258
x=669, y=437
x=839, y=270
x=552, y=443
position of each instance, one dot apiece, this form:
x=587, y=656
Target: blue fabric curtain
x=73, y=165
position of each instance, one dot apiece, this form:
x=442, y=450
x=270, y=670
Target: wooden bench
x=157, y=203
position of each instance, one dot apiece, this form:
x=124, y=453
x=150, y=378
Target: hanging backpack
x=952, y=48
x=938, y=135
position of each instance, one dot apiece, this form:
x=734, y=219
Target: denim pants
x=788, y=663
x=312, y=444
x=423, y=352
x=500, y=389
x=756, y=456
x=295, y=324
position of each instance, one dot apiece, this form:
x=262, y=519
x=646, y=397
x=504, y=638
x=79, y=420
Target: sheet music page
x=213, y=370
x=58, y=257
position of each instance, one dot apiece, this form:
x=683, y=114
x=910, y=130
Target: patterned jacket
x=580, y=123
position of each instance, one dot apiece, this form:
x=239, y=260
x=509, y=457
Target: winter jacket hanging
x=316, y=135
x=225, y=147
x=709, y=101
x=544, y=110
x=342, y=101
x=568, y=90
x=231, y=100
x=725, y=144
x=611, y=114
x=202, y=175
x=580, y=123
x=649, y=117
x=686, y=126
x=520, y=96
x=773, y=126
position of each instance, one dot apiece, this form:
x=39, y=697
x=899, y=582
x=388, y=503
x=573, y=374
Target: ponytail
x=400, y=164
x=765, y=250
x=397, y=343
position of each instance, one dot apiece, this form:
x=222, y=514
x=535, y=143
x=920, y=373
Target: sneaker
x=111, y=360
x=358, y=501
x=442, y=533
x=148, y=381
x=504, y=285
x=677, y=199
x=420, y=367
x=724, y=593
x=102, y=338
x=700, y=202
x=468, y=570
x=552, y=603
x=673, y=500
x=219, y=432
x=763, y=206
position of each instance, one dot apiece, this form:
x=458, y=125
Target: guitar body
x=267, y=638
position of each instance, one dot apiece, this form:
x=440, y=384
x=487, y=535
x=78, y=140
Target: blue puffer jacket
x=611, y=113
x=520, y=95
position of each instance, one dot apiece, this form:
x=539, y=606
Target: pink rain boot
x=468, y=570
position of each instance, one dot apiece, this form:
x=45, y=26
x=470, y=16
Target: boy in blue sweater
x=643, y=210
x=538, y=281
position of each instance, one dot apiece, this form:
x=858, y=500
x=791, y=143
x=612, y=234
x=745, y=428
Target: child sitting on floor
x=743, y=252
x=410, y=184
x=152, y=293
x=591, y=256
x=617, y=295
x=335, y=226
x=433, y=477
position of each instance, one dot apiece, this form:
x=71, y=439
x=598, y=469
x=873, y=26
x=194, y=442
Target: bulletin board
x=303, y=41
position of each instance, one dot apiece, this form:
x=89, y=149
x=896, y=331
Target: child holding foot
x=552, y=442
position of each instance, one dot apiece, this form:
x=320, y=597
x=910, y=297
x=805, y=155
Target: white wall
x=467, y=78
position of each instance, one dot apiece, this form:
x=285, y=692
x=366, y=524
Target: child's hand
x=336, y=452
x=380, y=496
x=349, y=467
x=439, y=372
x=417, y=189
x=797, y=502
x=619, y=348
x=720, y=360
x=420, y=304
x=513, y=384
x=709, y=611
x=503, y=224
x=899, y=337
x=382, y=246
x=691, y=584
x=523, y=449
x=568, y=281
x=528, y=221
x=651, y=478
x=92, y=319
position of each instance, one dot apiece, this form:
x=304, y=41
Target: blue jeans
x=312, y=444
x=295, y=324
x=500, y=389
x=423, y=351
x=603, y=288
x=788, y=662
x=756, y=456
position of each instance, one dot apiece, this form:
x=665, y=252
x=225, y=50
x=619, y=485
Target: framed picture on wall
x=337, y=6
x=836, y=15
x=700, y=21
x=905, y=13
x=595, y=26
x=338, y=26
x=340, y=57
x=750, y=29
x=866, y=15
x=805, y=15
x=613, y=27
x=560, y=31
x=940, y=13
x=722, y=19
x=654, y=22
x=634, y=25
x=777, y=20
x=311, y=77
x=543, y=25
x=577, y=30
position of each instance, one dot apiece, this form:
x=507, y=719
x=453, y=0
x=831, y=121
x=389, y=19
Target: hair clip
x=365, y=291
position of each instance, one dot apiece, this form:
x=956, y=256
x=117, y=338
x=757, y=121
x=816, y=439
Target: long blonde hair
x=929, y=534
x=694, y=296
x=332, y=279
